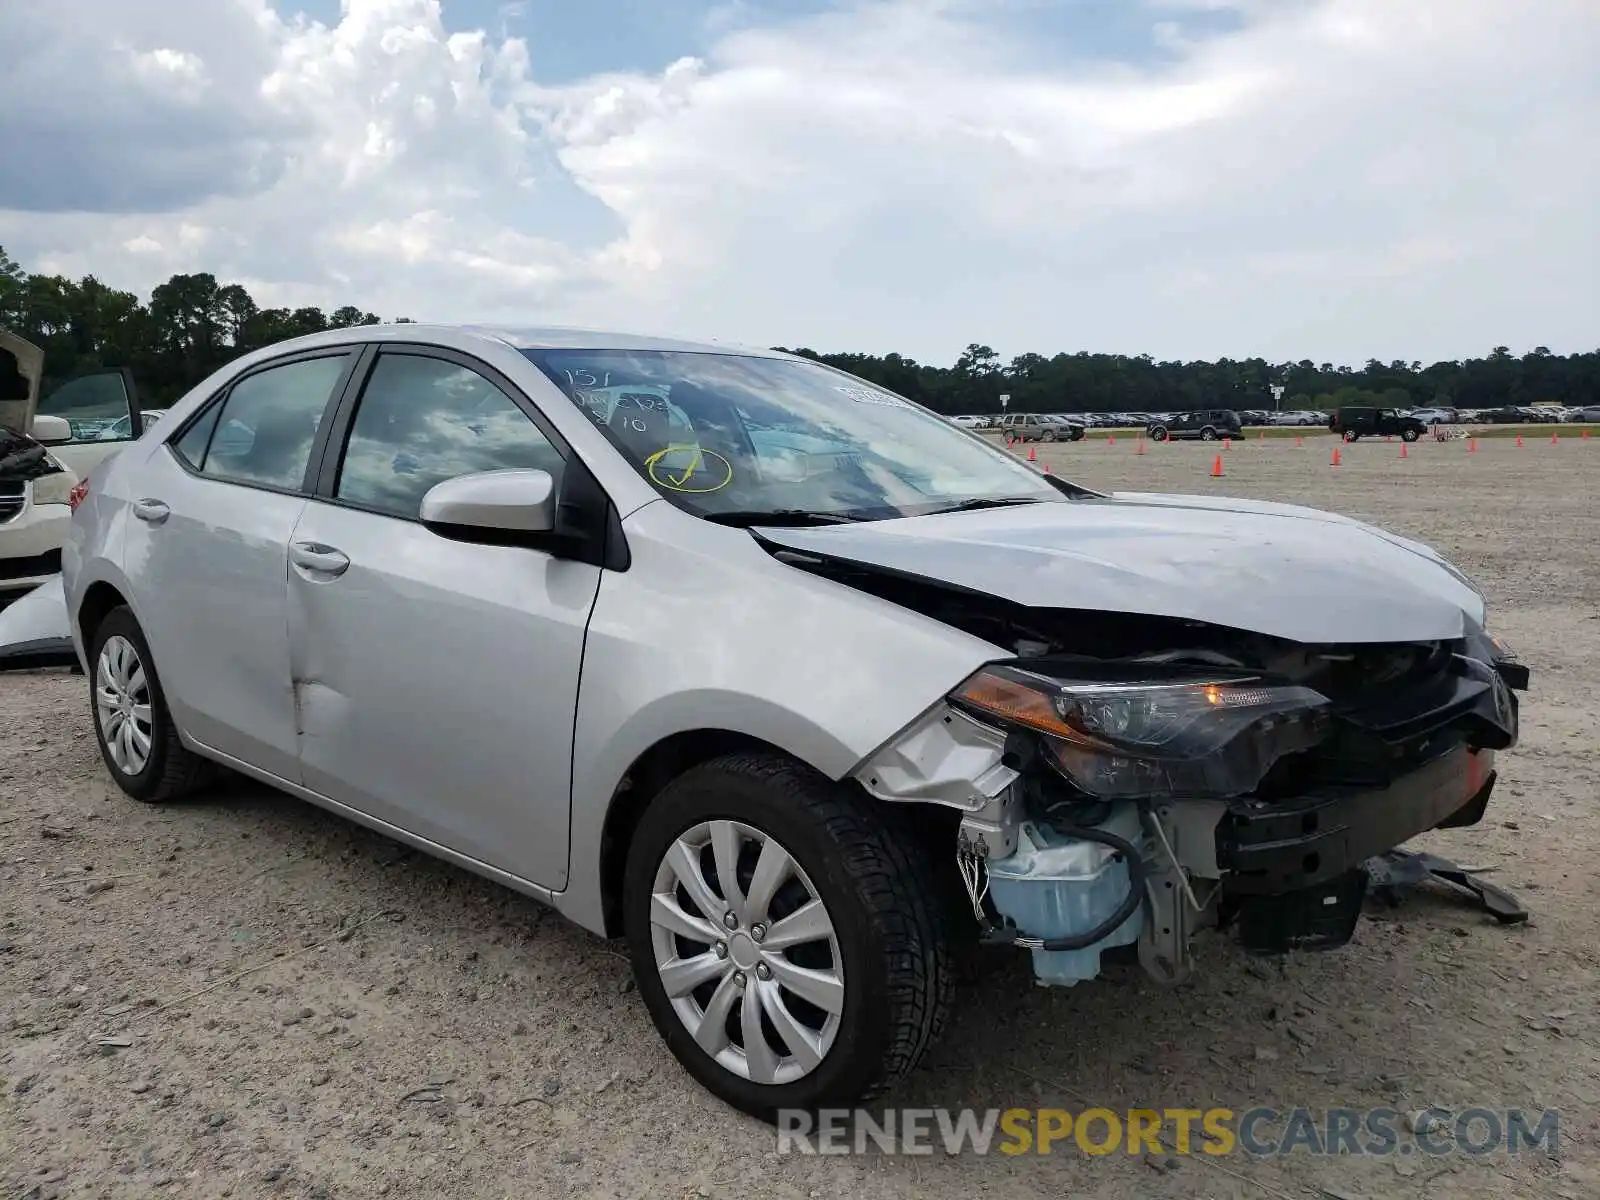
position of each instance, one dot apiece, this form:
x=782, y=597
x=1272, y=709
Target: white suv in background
x=45, y=448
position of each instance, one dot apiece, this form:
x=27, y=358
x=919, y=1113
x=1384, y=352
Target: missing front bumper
x=1288, y=846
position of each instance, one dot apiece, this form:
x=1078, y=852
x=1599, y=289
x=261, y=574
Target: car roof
x=519, y=337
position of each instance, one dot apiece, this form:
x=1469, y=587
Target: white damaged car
x=773, y=673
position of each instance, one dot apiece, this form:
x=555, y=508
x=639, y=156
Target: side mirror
x=499, y=507
x=51, y=431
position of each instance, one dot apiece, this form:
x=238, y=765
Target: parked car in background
x=967, y=422
x=538, y=603
x=1206, y=425
x=1433, y=416
x=1355, y=423
x=1038, y=427
x=1511, y=414
x=1297, y=418
x=1587, y=415
x=46, y=445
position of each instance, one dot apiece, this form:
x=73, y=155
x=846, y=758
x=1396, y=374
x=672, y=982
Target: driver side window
x=423, y=420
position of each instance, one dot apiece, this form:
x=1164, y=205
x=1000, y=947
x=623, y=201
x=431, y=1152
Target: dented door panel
x=435, y=681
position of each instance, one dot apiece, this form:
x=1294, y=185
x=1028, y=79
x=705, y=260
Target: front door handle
x=318, y=559
x=151, y=511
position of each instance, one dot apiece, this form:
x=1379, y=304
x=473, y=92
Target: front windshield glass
x=739, y=435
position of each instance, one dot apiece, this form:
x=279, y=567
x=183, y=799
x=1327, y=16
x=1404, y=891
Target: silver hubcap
x=122, y=704
x=747, y=952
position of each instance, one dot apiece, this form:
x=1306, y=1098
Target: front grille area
x=12, y=499
x=48, y=563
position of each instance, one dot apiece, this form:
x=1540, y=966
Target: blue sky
x=578, y=38
x=1324, y=179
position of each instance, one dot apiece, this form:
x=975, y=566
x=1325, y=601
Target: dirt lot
x=288, y=984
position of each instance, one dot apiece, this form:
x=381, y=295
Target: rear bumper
x=1299, y=844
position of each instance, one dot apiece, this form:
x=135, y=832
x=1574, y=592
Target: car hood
x=1276, y=569
x=19, y=397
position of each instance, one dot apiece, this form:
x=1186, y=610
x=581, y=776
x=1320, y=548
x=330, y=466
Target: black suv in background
x=1208, y=425
x=1354, y=423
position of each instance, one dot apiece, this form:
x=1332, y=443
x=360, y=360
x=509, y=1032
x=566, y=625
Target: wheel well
x=99, y=600
x=650, y=772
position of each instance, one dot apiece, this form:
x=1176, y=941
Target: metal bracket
x=1178, y=903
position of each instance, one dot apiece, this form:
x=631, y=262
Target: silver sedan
x=774, y=673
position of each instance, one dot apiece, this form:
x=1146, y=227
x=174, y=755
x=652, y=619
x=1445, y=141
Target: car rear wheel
x=138, y=741
x=1409, y=435
x=1158, y=434
x=1208, y=434
x=788, y=944
x=1049, y=435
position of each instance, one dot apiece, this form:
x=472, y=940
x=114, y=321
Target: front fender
x=707, y=631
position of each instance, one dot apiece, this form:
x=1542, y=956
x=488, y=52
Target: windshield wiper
x=978, y=502
x=745, y=518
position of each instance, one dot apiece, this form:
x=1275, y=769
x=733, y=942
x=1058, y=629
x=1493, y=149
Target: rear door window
x=265, y=429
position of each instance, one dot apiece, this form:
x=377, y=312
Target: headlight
x=1202, y=736
x=54, y=488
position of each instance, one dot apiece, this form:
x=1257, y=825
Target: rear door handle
x=318, y=559
x=152, y=511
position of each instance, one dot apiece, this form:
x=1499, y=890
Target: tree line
x=193, y=324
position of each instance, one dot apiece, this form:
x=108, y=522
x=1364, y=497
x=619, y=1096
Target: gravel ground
x=308, y=1009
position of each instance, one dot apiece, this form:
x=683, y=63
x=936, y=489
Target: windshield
x=733, y=434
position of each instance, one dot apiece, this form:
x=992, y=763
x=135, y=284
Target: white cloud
x=1332, y=179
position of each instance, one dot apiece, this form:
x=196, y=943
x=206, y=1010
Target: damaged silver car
x=788, y=681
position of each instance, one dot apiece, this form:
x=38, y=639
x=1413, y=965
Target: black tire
x=1409, y=435
x=1352, y=436
x=1077, y=434
x=1049, y=435
x=880, y=891
x=172, y=771
x=1159, y=434
x=1208, y=434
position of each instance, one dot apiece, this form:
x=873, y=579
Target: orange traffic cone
x=1472, y=445
x=1298, y=440
x=1227, y=443
x=1261, y=435
x=1033, y=454
x=1334, y=461
x=1586, y=435
x=1111, y=439
x=1519, y=439
x=1047, y=468
x=1554, y=437
x=1403, y=450
x=1216, y=467
x=1138, y=446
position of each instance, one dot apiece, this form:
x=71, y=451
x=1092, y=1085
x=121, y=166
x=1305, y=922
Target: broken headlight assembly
x=54, y=485
x=1208, y=735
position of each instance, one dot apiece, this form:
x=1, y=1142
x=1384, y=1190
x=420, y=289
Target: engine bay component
x=1073, y=893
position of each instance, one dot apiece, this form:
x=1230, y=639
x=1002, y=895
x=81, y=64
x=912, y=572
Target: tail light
x=76, y=496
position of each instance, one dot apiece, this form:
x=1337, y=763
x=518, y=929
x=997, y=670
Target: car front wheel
x=1409, y=435
x=786, y=941
x=138, y=741
x=1158, y=434
x=1208, y=434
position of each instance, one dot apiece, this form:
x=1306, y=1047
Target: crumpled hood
x=19, y=381
x=1276, y=569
